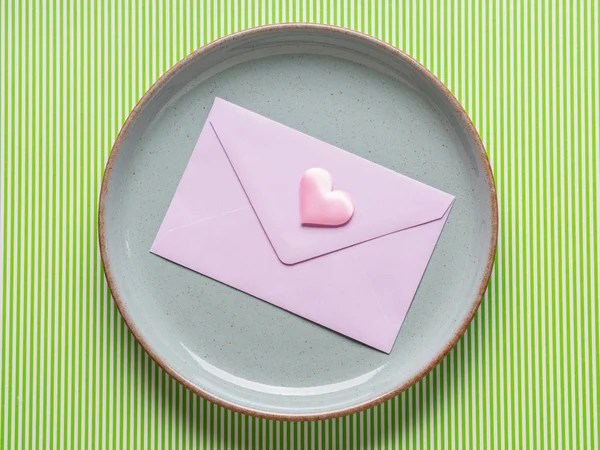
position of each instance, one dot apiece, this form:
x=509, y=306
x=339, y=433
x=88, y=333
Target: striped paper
x=523, y=376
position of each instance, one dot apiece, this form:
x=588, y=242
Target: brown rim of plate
x=216, y=45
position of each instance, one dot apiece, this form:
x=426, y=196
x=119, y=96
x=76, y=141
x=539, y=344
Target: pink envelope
x=235, y=217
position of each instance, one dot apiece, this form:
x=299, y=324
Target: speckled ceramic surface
x=345, y=89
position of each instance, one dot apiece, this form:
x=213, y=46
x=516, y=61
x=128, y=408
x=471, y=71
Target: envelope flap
x=269, y=159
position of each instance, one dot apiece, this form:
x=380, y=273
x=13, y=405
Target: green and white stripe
x=524, y=375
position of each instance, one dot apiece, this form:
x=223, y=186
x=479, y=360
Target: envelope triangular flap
x=269, y=159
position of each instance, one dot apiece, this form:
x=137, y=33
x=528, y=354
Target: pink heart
x=320, y=204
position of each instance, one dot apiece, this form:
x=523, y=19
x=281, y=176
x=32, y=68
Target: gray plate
x=351, y=91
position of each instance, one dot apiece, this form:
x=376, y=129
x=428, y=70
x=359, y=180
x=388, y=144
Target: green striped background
x=524, y=375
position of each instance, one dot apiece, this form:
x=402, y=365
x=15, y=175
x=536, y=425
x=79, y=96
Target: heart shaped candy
x=319, y=204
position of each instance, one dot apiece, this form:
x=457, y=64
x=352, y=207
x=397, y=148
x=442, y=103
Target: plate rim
x=215, y=45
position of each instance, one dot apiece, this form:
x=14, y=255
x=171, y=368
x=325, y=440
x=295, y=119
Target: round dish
x=347, y=89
